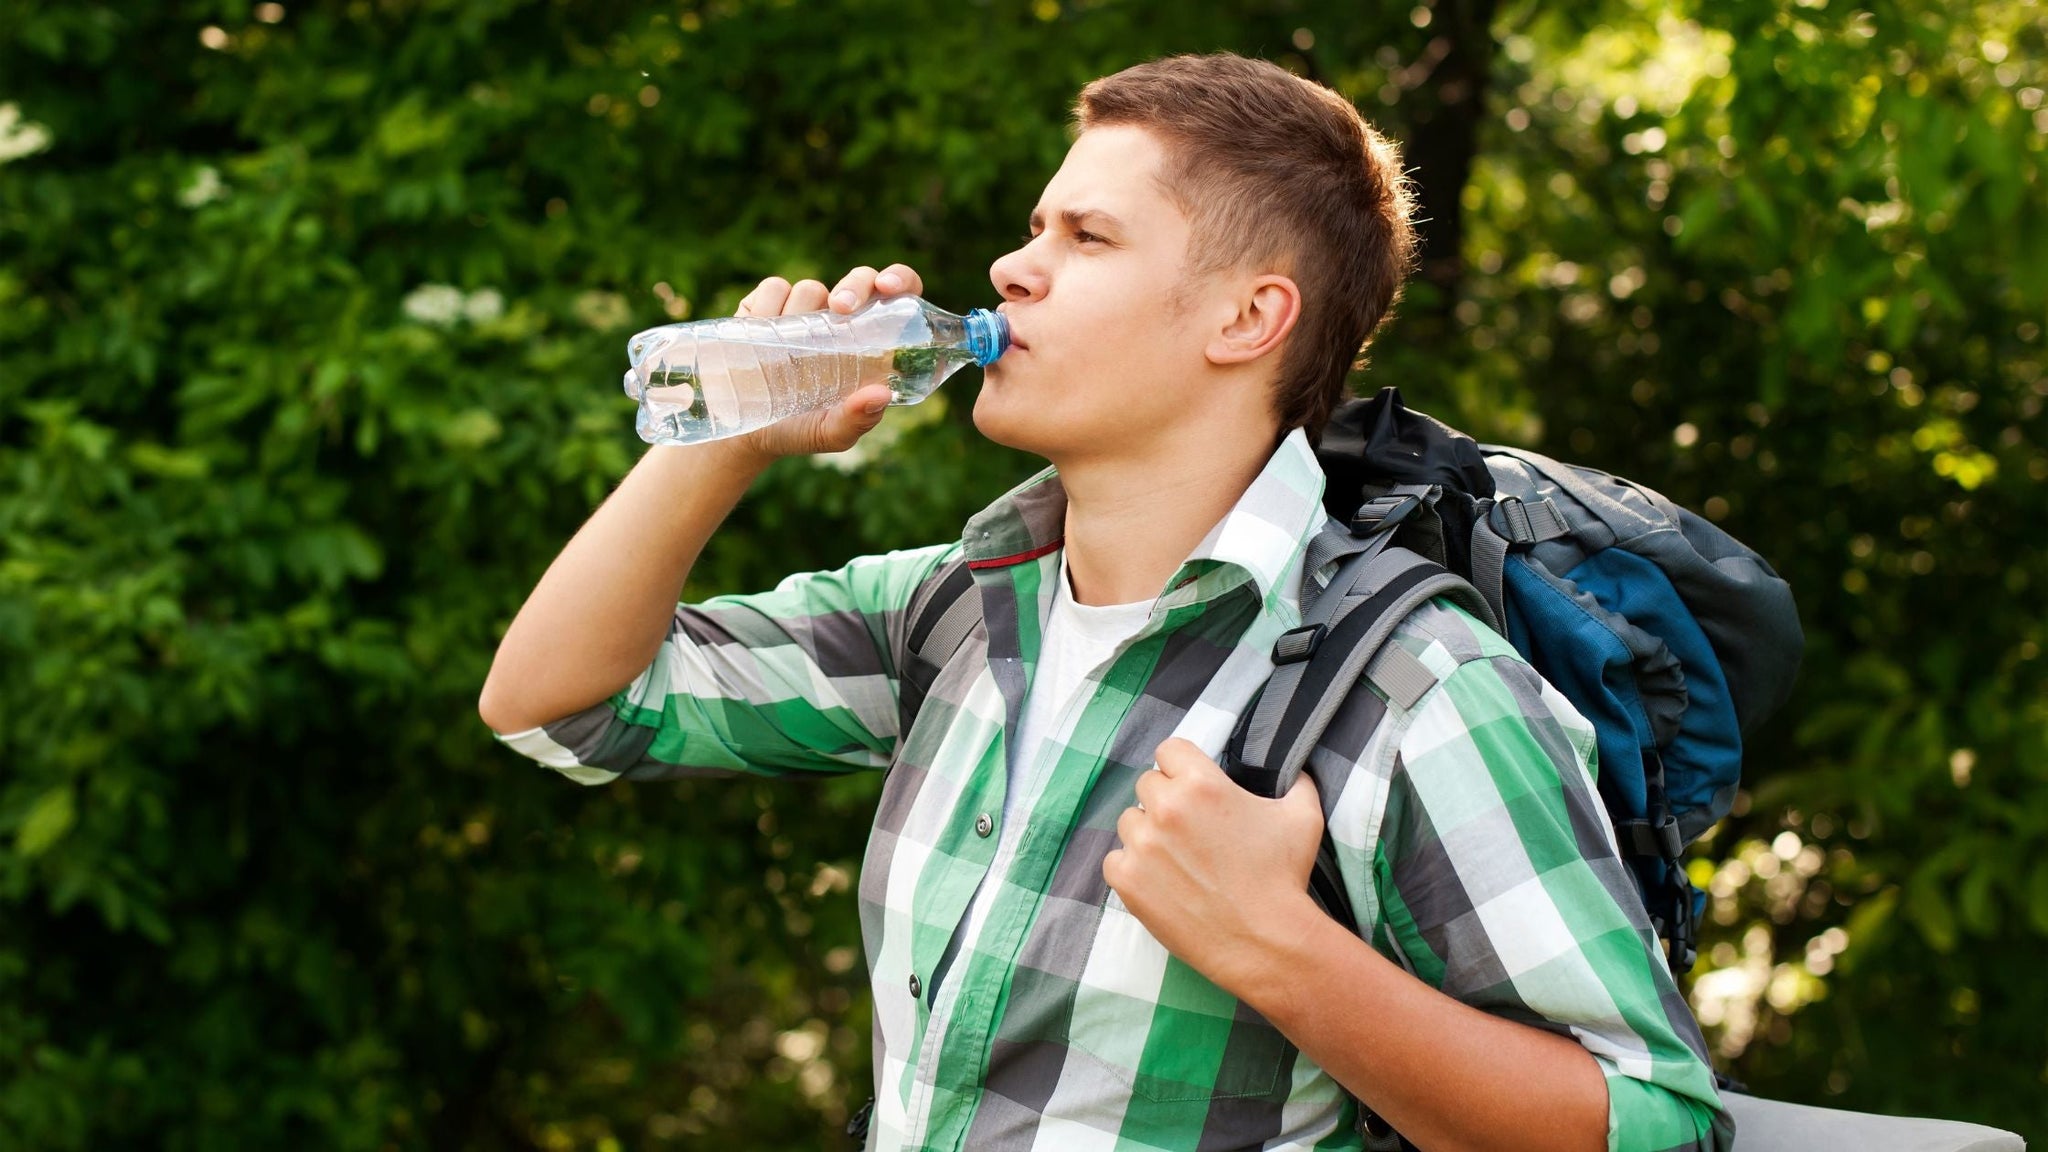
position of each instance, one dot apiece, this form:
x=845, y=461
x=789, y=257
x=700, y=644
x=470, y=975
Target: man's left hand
x=1212, y=871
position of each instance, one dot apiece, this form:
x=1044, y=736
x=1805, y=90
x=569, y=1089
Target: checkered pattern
x=1475, y=849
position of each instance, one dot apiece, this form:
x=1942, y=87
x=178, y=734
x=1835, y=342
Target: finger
x=805, y=296
x=898, y=280
x=1127, y=826
x=866, y=406
x=1177, y=757
x=1153, y=781
x=766, y=299
x=854, y=417
x=1304, y=793
x=1304, y=802
x=1113, y=866
x=853, y=290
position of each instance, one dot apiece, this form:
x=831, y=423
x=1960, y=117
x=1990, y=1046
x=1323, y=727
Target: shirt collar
x=1261, y=538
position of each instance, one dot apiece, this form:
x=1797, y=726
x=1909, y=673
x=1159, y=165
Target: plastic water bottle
x=709, y=379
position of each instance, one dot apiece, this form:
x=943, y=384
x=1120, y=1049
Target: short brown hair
x=1275, y=170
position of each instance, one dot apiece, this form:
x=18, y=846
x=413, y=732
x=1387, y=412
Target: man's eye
x=1079, y=238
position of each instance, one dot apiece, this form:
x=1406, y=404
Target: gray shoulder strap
x=942, y=615
x=1345, y=627
x=961, y=614
x=1489, y=562
x=938, y=621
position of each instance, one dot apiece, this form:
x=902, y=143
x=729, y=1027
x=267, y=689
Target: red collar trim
x=1019, y=558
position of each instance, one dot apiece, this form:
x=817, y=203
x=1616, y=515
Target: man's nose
x=1016, y=276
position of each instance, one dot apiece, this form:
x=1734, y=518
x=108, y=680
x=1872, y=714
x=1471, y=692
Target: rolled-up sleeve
x=799, y=680
x=1498, y=883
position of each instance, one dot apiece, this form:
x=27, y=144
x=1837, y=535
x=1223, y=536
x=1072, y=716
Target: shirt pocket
x=1163, y=1029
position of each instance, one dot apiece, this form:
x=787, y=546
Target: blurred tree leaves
x=1785, y=263
x=310, y=315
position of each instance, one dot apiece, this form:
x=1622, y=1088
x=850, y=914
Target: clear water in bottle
x=709, y=379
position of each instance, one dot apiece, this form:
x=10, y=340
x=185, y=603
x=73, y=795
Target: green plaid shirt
x=1468, y=831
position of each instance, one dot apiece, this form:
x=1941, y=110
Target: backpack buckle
x=1383, y=513
x=858, y=1126
x=1298, y=644
x=1668, y=839
x=1522, y=523
x=1656, y=838
x=1684, y=935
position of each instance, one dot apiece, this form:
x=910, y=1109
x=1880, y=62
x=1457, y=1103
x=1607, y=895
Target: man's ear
x=1266, y=313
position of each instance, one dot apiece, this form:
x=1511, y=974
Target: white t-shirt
x=1079, y=638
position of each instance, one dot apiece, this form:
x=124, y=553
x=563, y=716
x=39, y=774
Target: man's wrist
x=731, y=455
x=1268, y=973
x=745, y=453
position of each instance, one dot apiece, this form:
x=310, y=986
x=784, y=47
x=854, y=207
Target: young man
x=1081, y=934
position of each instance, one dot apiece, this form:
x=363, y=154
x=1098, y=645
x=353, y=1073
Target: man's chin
x=1052, y=428
x=993, y=421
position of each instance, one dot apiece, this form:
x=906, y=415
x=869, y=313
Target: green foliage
x=1786, y=265
x=310, y=322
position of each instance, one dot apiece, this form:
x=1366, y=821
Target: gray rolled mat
x=1774, y=1126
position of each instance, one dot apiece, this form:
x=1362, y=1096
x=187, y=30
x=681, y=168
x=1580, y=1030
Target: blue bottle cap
x=988, y=335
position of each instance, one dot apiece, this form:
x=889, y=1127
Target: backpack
x=1668, y=635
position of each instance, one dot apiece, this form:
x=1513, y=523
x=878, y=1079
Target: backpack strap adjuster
x=1524, y=523
x=1298, y=644
x=1681, y=935
x=1383, y=513
x=1657, y=838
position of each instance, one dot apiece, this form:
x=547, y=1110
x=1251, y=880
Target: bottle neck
x=988, y=335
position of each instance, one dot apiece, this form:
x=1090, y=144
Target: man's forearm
x=1446, y=1075
x=598, y=616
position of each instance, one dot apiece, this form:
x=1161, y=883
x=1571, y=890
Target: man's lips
x=1016, y=341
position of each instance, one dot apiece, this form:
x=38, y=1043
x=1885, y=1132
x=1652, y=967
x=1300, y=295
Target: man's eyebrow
x=1079, y=219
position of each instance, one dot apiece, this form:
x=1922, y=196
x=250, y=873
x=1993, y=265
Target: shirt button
x=916, y=986
x=983, y=825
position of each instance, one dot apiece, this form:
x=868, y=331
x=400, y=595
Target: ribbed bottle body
x=710, y=379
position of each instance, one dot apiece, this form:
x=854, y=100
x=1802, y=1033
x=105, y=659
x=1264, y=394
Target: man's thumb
x=866, y=409
x=1304, y=796
x=839, y=428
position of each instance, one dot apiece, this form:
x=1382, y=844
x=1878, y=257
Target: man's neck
x=1132, y=520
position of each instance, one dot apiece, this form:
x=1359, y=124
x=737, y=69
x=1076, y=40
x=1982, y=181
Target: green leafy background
x=311, y=321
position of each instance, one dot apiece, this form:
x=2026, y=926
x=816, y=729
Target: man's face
x=1103, y=362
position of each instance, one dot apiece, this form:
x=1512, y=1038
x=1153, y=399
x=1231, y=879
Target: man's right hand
x=837, y=428
x=600, y=613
